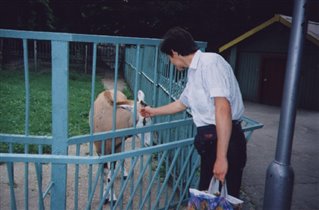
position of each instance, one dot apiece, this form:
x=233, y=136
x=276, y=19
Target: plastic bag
x=213, y=199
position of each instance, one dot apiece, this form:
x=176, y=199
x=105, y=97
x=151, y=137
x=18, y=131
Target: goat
x=103, y=121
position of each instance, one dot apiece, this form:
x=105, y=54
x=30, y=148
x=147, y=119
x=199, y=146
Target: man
x=213, y=95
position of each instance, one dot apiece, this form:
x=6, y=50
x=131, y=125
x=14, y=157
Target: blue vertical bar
x=171, y=71
x=27, y=86
x=93, y=87
x=10, y=170
x=38, y=167
x=115, y=98
x=60, y=65
x=76, y=180
x=115, y=90
x=92, y=114
x=155, y=90
x=26, y=123
x=136, y=80
x=39, y=178
x=112, y=166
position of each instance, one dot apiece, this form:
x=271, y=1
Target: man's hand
x=220, y=169
x=170, y=108
x=147, y=111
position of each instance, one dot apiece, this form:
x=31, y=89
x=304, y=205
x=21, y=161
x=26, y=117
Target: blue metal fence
x=71, y=177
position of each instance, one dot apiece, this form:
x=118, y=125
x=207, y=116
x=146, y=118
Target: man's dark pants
x=206, y=144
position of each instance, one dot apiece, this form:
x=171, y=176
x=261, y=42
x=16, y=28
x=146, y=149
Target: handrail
x=73, y=159
x=69, y=37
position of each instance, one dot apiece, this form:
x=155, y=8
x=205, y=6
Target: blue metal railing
x=72, y=176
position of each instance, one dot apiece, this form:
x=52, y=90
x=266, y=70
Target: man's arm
x=171, y=108
x=223, y=129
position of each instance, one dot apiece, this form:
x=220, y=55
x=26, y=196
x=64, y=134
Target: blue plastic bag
x=208, y=203
x=213, y=199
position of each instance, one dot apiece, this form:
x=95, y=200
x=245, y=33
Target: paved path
x=304, y=159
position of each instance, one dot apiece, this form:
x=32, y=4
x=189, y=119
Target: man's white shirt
x=209, y=75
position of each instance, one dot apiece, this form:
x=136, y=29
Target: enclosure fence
x=71, y=175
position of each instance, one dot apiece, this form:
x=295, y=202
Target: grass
x=12, y=104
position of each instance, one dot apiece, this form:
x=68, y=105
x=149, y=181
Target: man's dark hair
x=179, y=40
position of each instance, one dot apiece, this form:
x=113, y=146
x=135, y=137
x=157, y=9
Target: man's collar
x=195, y=60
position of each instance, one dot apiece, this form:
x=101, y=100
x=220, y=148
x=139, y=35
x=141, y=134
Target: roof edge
x=275, y=18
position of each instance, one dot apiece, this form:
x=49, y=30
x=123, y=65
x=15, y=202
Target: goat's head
x=140, y=120
x=144, y=121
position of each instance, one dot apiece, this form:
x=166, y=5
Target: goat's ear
x=127, y=107
x=140, y=95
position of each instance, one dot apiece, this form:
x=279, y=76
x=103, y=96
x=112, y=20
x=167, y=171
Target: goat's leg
x=110, y=172
x=107, y=175
x=125, y=174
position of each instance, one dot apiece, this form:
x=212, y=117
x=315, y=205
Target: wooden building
x=259, y=59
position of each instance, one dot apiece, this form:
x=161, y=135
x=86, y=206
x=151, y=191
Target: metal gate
x=71, y=176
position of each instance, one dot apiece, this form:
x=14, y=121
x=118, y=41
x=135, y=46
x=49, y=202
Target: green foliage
x=12, y=106
x=127, y=91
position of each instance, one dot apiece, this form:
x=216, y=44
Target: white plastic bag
x=214, y=190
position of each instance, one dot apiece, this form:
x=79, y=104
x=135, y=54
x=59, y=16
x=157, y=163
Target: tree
x=214, y=21
x=27, y=15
